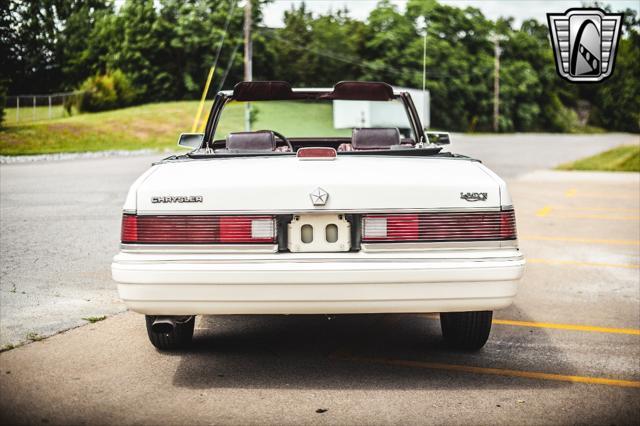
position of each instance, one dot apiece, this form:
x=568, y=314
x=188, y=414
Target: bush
x=560, y=118
x=104, y=92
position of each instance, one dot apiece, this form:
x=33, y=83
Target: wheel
x=466, y=330
x=178, y=338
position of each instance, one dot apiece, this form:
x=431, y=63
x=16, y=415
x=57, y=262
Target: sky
x=492, y=9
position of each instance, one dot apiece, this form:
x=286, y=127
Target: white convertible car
x=320, y=210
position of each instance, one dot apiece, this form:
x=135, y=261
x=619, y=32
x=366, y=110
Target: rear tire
x=467, y=331
x=179, y=338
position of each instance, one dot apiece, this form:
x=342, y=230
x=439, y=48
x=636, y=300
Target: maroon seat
x=365, y=139
x=263, y=140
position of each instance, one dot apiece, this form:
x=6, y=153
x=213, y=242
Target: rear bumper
x=298, y=284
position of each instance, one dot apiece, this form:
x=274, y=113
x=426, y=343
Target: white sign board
x=348, y=114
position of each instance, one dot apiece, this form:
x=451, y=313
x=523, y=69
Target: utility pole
x=248, y=57
x=495, y=38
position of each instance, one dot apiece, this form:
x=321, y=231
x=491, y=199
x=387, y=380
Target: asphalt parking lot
x=568, y=350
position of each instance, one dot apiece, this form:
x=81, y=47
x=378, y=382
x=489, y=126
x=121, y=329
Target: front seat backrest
x=251, y=141
x=375, y=138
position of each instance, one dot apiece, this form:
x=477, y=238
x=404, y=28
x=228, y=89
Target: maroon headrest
x=263, y=140
x=361, y=91
x=382, y=138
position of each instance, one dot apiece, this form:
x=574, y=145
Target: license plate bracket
x=319, y=233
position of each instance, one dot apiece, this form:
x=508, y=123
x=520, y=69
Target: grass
x=34, y=337
x=28, y=114
x=93, y=320
x=157, y=126
x=624, y=158
x=151, y=126
x=293, y=119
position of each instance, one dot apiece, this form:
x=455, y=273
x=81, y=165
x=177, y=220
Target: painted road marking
x=573, y=192
x=632, y=331
x=599, y=209
x=560, y=213
x=587, y=264
x=580, y=240
x=557, y=326
x=544, y=211
x=491, y=371
x=596, y=216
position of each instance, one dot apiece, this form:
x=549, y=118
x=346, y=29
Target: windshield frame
x=224, y=97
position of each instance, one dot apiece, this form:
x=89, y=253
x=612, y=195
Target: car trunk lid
x=285, y=184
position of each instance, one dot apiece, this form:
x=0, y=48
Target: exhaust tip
x=163, y=325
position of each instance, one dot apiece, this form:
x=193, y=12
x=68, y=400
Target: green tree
x=165, y=48
x=76, y=58
x=617, y=100
x=36, y=37
x=459, y=64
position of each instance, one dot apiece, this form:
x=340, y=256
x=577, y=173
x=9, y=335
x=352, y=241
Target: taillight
x=129, y=228
x=432, y=227
x=198, y=229
x=508, y=225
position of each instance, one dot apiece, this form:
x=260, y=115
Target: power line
x=232, y=5
x=226, y=71
x=212, y=70
x=393, y=70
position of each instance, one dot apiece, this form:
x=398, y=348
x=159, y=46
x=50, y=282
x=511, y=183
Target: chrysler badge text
x=178, y=199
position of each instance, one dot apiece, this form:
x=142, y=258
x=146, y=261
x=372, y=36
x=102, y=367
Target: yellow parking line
x=595, y=216
x=562, y=213
x=573, y=327
x=572, y=193
x=544, y=211
x=580, y=240
x=579, y=263
x=598, y=209
x=591, y=328
x=492, y=371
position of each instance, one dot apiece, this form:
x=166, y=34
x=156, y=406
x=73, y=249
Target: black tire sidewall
x=179, y=338
x=466, y=330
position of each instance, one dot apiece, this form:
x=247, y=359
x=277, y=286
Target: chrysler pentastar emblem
x=319, y=197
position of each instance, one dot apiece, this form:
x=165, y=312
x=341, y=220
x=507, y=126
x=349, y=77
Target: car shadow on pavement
x=398, y=351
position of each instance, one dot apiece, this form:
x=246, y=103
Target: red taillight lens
x=426, y=227
x=129, y=228
x=198, y=229
x=508, y=229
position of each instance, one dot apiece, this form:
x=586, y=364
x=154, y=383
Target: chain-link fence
x=29, y=108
